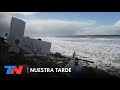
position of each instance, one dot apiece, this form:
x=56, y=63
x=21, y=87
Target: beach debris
x=16, y=39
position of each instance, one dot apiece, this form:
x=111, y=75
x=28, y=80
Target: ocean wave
x=103, y=52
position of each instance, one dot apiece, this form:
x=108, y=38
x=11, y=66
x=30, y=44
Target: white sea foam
x=105, y=52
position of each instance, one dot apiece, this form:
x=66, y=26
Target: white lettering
x=41, y=70
x=63, y=69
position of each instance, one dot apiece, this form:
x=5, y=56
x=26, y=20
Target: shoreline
x=12, y=58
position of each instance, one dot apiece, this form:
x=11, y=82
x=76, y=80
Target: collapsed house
x=31, y=46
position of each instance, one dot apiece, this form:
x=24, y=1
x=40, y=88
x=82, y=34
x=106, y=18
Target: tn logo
x=13, y=69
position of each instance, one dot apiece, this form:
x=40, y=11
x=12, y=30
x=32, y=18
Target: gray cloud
x=22, y=13
x=62, y=27
x=4, y=24
x=55, y=27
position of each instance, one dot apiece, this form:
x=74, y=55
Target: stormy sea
x=104, y=50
